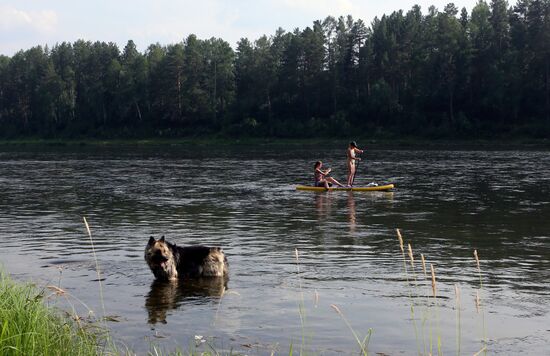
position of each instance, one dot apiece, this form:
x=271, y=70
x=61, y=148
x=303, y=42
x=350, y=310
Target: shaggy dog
x=170, y=262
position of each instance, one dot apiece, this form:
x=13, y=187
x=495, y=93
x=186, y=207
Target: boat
x=377, y=188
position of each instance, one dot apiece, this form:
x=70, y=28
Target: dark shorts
x=322, y=184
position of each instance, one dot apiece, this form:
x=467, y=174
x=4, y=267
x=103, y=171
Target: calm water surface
x=447, y=204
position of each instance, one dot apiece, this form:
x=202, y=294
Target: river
x=447, y=203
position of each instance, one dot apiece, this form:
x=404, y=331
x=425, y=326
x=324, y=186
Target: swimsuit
x=320, y=179
x=318, y=176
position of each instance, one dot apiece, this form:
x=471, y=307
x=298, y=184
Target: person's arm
x=320, y=172
x=358, y=151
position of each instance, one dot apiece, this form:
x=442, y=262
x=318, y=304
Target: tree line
x=443, y=73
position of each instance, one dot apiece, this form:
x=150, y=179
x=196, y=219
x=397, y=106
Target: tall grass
x=306, y=337
x=30, y=327
x=479, y=306
x=301, y=304
x=427, y=278
x=363, y=345
x=410, y=286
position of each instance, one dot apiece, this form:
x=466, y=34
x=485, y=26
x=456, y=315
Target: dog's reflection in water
x=168, y=295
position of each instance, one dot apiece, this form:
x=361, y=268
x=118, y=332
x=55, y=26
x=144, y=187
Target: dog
x=170, y=262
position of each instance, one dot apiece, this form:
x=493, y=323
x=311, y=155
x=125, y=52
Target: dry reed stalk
x=400, y=240
x=477, y=260
x=478, y=304
x=96, y=267
x=316, y=299
x=411, y=257
x=478, y=269
x=484, y=348
x=301, y=304
x=458, y=323
x=403, y=255
x=426, y=313
x=335, y=307
x=411, y=297
x=57, y=291
x=361, y=344
x=434, y=287
x=423, y=264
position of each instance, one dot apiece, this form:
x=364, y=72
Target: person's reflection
x=323, y=203
x=165, y=296
x=351, y=213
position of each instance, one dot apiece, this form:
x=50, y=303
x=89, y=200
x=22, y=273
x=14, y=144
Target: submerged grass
x=30, y=327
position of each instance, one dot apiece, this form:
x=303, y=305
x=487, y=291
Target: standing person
x=321, y=177
x=352, y=161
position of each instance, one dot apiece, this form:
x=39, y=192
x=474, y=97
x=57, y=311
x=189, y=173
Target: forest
x=435, y=73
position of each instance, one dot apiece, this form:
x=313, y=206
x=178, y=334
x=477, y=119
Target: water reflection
x=323, y=205
x=351, y=213
x=166, y=296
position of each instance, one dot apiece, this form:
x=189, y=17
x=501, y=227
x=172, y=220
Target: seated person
x=321, y=177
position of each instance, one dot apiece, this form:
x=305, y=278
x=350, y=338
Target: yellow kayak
x=378, y=188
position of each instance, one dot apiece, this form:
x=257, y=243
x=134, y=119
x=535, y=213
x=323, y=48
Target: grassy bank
x=29, y=327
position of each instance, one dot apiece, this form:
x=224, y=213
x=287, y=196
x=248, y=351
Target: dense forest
x=438, y=73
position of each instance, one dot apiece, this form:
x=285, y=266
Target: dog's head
x=159, y=256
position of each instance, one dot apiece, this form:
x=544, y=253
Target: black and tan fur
x=170, y=262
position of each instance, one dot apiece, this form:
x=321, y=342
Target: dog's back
x=197, y=261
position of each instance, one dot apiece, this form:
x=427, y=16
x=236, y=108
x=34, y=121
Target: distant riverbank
x=206, y=141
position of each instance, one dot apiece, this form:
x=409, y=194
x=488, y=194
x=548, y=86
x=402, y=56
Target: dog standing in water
x=170, y=262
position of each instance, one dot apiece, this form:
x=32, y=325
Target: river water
x=446, y=202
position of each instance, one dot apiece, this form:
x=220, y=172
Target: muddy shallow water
x=447, y=204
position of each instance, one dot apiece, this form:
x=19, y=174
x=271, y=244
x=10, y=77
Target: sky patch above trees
x=26, y=23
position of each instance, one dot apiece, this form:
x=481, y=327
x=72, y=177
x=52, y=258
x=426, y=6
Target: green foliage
x=28, y=327
x=439, y=73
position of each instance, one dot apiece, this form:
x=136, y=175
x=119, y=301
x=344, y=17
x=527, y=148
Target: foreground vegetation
x=29, y=327
x=435, y=73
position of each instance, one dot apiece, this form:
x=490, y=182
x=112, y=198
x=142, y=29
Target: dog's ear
x=151, y=241
x=162, y=239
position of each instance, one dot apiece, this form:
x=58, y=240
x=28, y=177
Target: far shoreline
x=382, y=143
